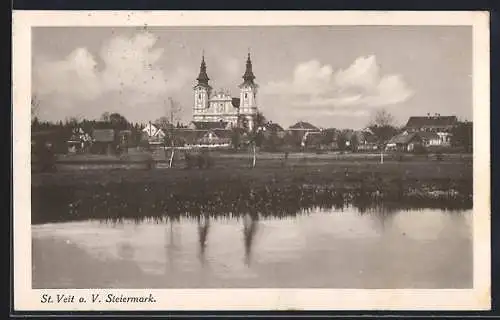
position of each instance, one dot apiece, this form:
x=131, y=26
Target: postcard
x=251, y=160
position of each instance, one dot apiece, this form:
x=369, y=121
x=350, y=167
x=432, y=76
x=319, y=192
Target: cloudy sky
x=334, y=76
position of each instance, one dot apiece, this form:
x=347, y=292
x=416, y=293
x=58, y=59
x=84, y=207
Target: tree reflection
x=171, y=243
x=250, y=226
x=203, y=227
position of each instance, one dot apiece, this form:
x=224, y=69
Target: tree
x=105, y=117
x=462, y=136
x=257, y=134
x=236, y=134
x=118, y=121
x=382, y=126
x=259, y=121
x=354, y=142
x=242, y=122
x=162, y=122
x=35, y=105
x=174, y=112
x=342, y=140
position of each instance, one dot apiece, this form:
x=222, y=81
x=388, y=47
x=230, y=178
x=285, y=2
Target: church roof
x=236, y=102
x=248, y=77
x=203, y=76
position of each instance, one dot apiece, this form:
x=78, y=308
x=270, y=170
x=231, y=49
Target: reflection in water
x=250, y=223
x=203, y=227
x=320, y=249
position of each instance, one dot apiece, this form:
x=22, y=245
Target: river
x=319, y=249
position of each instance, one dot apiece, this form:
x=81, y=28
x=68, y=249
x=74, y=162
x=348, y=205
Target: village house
x=153, y=134
x=301, y=130
x=404, y=142
x=274, y=128
x=79, y=141
x=367, y=141
x=440, y=125
x=103, y=141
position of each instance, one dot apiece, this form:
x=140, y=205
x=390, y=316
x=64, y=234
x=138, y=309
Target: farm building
x=153, y=134
x=406, y=141
x=440, y=125
x=103, y=141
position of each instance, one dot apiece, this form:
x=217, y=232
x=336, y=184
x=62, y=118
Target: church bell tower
x=248, y=94
x=201, y=92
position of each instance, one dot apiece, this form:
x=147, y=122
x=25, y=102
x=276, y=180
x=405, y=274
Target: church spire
x=203, y=77
x=248, y=77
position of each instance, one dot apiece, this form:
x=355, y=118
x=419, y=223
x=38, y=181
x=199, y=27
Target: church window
x=246, y=96
x=199, y=96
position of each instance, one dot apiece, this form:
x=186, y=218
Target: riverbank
x=269, y=189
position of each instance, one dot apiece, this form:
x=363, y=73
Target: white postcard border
x=478, y=298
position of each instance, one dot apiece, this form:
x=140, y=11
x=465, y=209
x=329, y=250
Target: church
x=217, y=109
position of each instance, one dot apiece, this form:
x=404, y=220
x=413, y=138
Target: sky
x=330, y=76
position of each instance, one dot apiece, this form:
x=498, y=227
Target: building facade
x=441, y=126
x=217, y=108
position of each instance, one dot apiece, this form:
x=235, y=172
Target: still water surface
x=322, y=249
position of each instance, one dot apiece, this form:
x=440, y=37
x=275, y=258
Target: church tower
x=248, y=94
x=202, y=92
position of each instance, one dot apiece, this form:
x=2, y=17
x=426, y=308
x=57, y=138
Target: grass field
x=232, y=187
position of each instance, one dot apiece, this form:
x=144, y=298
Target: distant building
x=274, y=128
x=406, y=141
x=302, y=126
x=79, y=141
x=440, y=125
x=202, y=138
x=153, y=134
x=367, y=141
x=103, y=140
x=219, y=107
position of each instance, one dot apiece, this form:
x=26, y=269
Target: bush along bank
x=234, y=197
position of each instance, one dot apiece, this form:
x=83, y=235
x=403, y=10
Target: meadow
x=274, y=187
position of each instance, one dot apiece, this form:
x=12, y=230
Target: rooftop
x=104, y=135
x=431, y=121
x=301, y=125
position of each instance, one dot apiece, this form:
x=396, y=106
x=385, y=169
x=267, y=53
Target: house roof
x=431, y=121
x=301, y=125
x=104, y=135
x=215, y=136
x=403, y=138
x=274, y=127
x=201, y=125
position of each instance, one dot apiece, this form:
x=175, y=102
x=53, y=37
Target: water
x=321, y=249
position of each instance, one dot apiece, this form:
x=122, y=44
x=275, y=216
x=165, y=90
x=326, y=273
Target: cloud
x=131, y=73
x=360, y=86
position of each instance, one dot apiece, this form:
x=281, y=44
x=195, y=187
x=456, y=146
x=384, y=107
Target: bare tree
x=35, y=106
x=162, y=122
x=105, y=116
x=174, y=114
x=382, y=118
x=382, y=126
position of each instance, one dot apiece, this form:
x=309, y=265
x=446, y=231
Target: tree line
x=264, y=134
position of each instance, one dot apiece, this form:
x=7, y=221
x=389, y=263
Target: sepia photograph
x=192, y=155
